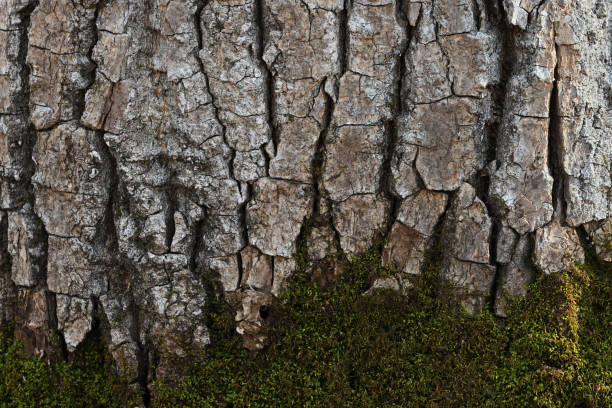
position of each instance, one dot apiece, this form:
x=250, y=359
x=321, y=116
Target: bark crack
x=318, y=157
x=198, y=27
x=344, y=37
x=106, y=230
x=392, y=135
x=555, y=147
x=269, y=80
x=30, y=137
x=493, y=133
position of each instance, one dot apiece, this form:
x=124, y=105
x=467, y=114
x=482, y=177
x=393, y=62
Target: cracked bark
x=191, y=140
x=26, y=238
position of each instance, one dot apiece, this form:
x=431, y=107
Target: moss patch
x=333, y=347
x=86, y=381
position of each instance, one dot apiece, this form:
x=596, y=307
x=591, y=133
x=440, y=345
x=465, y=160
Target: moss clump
x=333, y=346
x=87, y=380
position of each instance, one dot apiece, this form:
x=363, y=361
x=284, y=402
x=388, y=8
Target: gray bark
x=149, y=146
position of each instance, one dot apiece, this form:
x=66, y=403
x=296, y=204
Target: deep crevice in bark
x=496, y=226
x=555, y=148
x=169, y=210
x=22, y=101
x=344, y=37
x=8, y=290
x=196, y=247
x=27, y=200
x=142, y=353
x=260, y=41
x=91, y=69
x=243, y=223
x=387, y=175
x=319, y=154
x=391, y=127
x=240, y=270
x=107, y=229
x=476, y=12
x=272, y=258
x=493, y=135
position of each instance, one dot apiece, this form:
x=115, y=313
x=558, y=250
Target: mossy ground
x=333, y=347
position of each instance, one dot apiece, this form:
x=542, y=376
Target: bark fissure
x=493, y=138
x=25, y=200
x=143, y=353
x=107, y=227
x=319, y=153
x=344, y=37
x=197, y=232
x=555, y=147
x=476, y=12
x=392, y=136
x=169, y=211
x=106, y=230
x=248, y=195
x=23, y=101
x=7, y=315
x=198, y=27
x=268, y=80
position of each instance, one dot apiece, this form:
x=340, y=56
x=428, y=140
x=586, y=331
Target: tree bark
x=150, y=147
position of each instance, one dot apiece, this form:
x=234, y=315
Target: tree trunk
x=149, y=148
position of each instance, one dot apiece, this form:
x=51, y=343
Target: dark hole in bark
x=264, y=311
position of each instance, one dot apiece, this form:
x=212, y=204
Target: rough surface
x=150, y=148
x=411, y=234
x=275, y=215
x=514, y=274
x=521, y=182
x=601, y=235
x=556, y=248
x=466, y=258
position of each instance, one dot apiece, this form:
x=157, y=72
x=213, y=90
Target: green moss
x=336, y=347
x=333, y=347
x=86, y=380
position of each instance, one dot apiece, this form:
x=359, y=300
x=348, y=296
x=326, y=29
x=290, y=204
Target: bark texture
x=150, y=147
